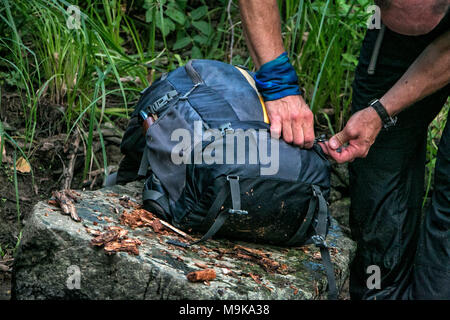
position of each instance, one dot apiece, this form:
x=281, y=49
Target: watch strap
x=386, y=120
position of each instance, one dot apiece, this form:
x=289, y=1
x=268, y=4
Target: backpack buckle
x=161, y=102
x=232, y=177
x=241, y=212
x=321, y=138
x=316, y=192
x=319, y=241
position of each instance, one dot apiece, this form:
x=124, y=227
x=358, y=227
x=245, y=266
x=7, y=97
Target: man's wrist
x=387, y=106
x=386, y=119
x=277, y=79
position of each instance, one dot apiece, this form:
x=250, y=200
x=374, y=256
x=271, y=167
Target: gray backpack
x=210, y=163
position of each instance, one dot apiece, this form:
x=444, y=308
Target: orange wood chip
x=136, y=218
x=157, y=225
x=105, y=237
x=202, y=275
x=255, y=278
x=126, y=245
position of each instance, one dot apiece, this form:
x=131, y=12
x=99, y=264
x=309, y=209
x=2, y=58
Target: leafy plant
x=189, y=27
x=434, y=134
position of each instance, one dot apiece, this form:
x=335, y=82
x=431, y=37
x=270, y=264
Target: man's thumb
x=338, y=140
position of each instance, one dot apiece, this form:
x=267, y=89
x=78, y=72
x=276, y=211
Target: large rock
x=54, y=247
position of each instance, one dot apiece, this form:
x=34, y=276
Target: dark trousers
x=411, y=249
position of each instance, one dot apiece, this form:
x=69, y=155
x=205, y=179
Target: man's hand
x=360, y=132
x=291, y=118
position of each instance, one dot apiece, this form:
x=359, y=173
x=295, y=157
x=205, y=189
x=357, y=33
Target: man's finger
x=324, y=148
x=339, y=139
x=275, y=128
x=287, y=131
x=298, y=134
x=308, y=134
x=348, y=153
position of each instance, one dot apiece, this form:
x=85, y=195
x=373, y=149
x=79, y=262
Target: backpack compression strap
x=319, y=241
x=215, y=208
x=319, y=238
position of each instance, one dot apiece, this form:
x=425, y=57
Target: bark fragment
x=126, y=245
x=202, y=275
x=65, y=202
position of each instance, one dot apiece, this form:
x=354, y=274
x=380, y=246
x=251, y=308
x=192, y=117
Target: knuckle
x=275, y=129
x=275, y=119
x=309, y=142
x=295, y=116
x=287, y=137
x=352, y=131
x=299, y=141
x=308, y=115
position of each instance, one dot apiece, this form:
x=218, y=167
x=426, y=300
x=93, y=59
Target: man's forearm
x=262, y=27
x=429, y=73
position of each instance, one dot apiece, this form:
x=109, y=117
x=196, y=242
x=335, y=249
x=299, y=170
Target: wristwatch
x=386, y=120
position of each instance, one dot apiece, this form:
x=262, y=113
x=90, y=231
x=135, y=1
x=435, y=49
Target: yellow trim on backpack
x=251, y=81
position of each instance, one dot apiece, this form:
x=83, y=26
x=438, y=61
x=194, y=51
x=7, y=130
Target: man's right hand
x=291, y=118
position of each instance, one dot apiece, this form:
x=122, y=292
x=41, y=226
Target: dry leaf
x=23, y=166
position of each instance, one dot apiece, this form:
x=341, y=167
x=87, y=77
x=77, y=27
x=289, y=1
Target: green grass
x=434, y=134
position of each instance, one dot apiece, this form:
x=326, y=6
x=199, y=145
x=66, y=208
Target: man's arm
x=429, y=73
x=290, y=116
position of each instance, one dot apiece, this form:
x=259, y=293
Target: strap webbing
x=220, y=220
x=192, y=73
x=322, y=214
x=326, y=259
x=319, y=241
x=143, y=167
x=215, y=207
x=235, y=193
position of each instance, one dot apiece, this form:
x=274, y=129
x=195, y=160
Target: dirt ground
x=49, y=154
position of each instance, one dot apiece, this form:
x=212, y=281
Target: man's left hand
x=359, y=132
